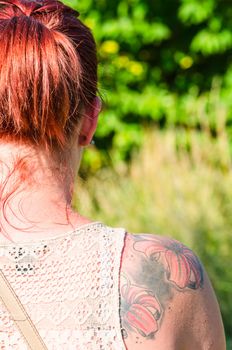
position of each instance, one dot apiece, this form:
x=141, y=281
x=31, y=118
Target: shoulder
x=166, y=296
x=181, y=266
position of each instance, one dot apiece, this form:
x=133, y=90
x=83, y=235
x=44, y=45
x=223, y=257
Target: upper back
x=100, y=288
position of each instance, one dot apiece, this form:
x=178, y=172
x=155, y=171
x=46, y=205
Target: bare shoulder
x=166, y=297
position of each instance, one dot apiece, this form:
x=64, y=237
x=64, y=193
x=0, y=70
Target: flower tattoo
x=182, y=266
x=141, y=310
x=166, y=265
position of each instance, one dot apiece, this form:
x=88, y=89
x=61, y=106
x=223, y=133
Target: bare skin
x=167, y=302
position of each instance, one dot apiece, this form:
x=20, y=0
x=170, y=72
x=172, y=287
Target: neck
x=35, y=193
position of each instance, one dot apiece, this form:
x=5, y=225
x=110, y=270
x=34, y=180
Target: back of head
x=48, y=71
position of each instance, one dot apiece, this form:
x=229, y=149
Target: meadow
x=170, y=191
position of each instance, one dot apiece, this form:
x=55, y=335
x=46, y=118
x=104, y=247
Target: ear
x=89, y=122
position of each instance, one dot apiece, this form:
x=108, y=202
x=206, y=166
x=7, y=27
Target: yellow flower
x=110, y=47
x=136, y=68
x=186, y=62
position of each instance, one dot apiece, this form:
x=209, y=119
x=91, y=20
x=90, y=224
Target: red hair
x=48, y=73
x=48, y=70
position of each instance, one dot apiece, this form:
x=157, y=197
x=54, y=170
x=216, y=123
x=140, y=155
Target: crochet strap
x=19, y=315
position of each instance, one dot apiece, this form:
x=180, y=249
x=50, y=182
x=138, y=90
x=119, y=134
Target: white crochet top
x=69, y=285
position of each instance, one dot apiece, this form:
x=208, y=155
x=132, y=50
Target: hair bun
x=48, y=71
x=30, y=7
x=25, y=7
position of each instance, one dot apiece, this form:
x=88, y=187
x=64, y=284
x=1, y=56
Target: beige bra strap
x=19, y=315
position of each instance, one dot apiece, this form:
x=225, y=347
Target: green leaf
x=195, y=11
x=209, y=43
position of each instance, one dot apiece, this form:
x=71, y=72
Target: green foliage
x=208, y=42
x=195, y=11
x=155, y=57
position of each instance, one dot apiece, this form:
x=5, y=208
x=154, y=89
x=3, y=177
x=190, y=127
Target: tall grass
x=180, y=185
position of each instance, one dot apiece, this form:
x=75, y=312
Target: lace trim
x=120, y=247
x=39, y=250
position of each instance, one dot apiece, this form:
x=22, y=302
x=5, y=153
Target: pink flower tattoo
x=141, y=310
x=182, y=267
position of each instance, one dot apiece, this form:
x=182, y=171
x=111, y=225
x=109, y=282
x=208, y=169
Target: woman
x=83, y=285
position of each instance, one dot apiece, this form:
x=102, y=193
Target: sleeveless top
x=69, y=285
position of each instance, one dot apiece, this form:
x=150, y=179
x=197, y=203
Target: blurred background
x=162, y=162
